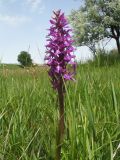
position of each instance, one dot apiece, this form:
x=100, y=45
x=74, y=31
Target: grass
x=9, y=66
x=28, y=114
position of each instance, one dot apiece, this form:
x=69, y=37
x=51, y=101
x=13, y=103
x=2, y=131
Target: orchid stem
x=61, y=125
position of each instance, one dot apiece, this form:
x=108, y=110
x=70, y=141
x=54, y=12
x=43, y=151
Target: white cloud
x=14, y=20
x=33, y=5
x=36, y=5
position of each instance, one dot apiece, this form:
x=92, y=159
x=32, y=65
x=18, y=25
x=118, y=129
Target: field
x=29, y=113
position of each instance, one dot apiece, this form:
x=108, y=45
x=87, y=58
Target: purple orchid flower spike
x=59, y=55
x=59, y=49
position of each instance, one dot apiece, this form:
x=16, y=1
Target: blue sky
x=23, y=26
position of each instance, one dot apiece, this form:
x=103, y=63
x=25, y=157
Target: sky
x=24, y=24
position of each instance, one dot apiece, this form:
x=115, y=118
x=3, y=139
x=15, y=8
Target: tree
x=96, y=20
x=25, y=59
x=84, y=32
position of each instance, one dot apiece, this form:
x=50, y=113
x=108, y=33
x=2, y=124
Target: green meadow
x=29, y=114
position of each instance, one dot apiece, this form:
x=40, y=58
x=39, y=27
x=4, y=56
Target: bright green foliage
x=25, y=59
x=96, y=20
x=28, y=114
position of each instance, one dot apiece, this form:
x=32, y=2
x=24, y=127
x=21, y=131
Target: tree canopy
x=25, y=59
x=96, y=20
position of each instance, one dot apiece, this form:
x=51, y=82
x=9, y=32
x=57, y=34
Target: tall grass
x=28, y=115
x=106, y=58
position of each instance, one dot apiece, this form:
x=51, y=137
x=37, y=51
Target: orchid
x=59, y=55
x=59, y=51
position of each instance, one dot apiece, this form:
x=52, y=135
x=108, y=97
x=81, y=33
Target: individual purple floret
x=60, y=50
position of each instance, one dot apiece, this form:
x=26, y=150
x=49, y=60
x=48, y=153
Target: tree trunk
x=116, y=35
x=61, y=125
x=118, y=44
